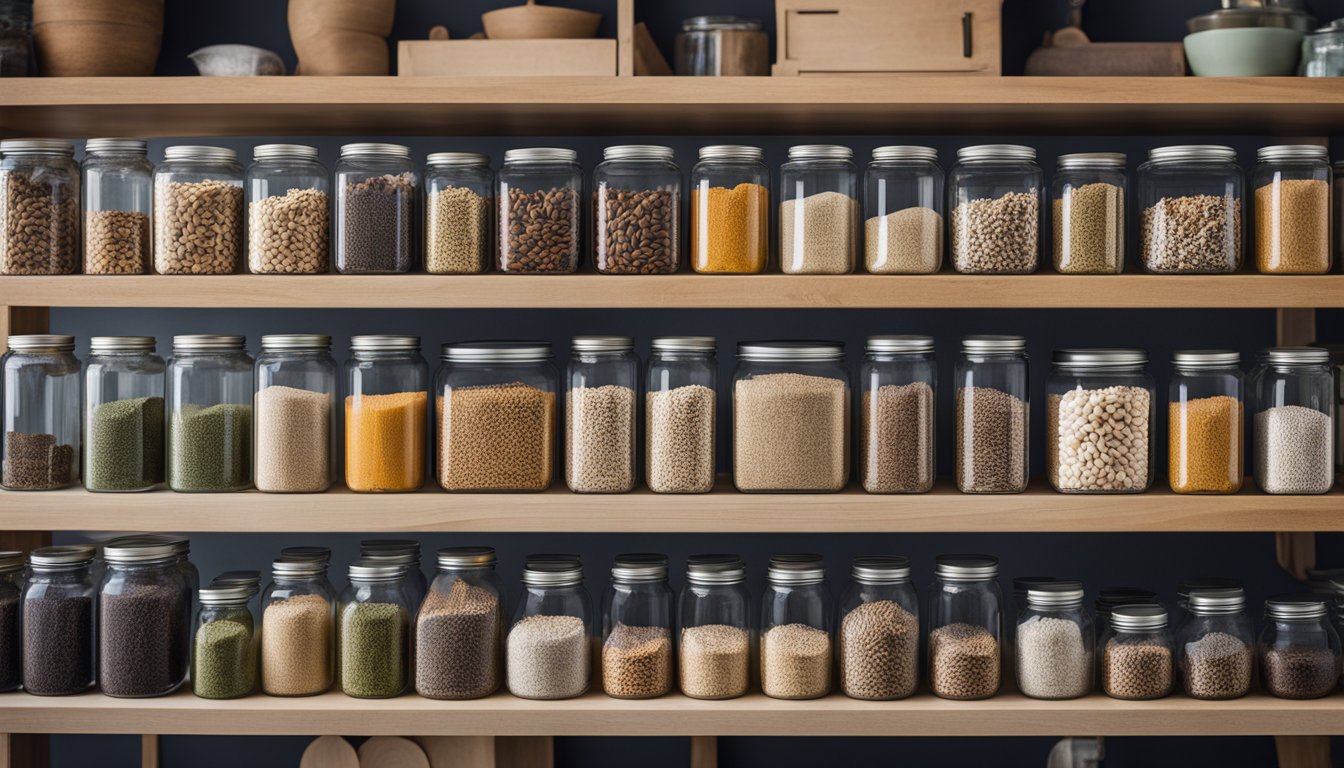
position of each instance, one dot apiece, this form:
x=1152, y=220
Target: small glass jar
x=797, y=612
x=1293, y=392
x=123, y=414
x=903, y=211
x=1137, y=656
x=1190, y=197
x=459, y=628
x=1088, y=213
x=11, y=636
x=680, y=409
x=1099, y=412
x=198, y=212
x=57, y=618
x=41, y=416
x=539, y=211
x=549, y=649
x=209, y=414
x=992, y=401
x=637, y=629
x=224, y=651
x=373, y=631
x=818, y=210
x=459, y=200
x=39, y=220
x=896, y=425
x=722, y=46
x=298, y=629
x=1292, y=209
x=995, y=193
x=1205, y=422
x=144, y=620
x=496, y=416
x=730, y=211
x=1054, y=642
x=376, y=189
x=288, y=211
x=1299, y=649
x=295, y=413
x=404, y=553
x=1216, y=646
x=385, y=384
x=118, y=184
x=1110, y=598
x=602, y=380
x=965, y=621
x=878, y=630
x=714, y=616
x=791, y=417
x=637, y=211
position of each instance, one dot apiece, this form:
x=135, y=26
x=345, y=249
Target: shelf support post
x=704, y=752
x=149, y=751
x=524, y=752
x=1296, y=552
x=1303, y=751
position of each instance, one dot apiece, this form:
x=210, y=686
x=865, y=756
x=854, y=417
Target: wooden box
x=506, y=57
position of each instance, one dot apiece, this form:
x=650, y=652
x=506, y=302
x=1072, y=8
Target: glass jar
x=878, y=630
x=1293, y=392
x=224, y=651
x=903, y=211
x=376, y=188
x=1189, y=587
x=730, y=211
x=17, y=57
x=373, y=631
x=118, y=184
x=637, y=211
x=144, y=621
x=198, y=212
x=41, y=402
x=791, y=417
x=288, y=211
x=385, y=385
x=796, y=615
x=818, y=210
x=11, y=637
x=295, y=413
x=56, y=616
x=210, y=414
x=1099, y=413
x=179, y=546
x=248, y=580
x=39, y=222
x=681, y=404
x=896, y=431
x=992, y=432
x=539, y=212
x=995, y=192
x=400, y=552
x=459, y=195
x=496, y=416
x=1137, y=657
x=459, y=627
x=1191, y=202
x=1054, y=642
x=298, y=629
x=1216, y=646
x=1292, y=209
x=123, y=414
x=722, y=46
x=714, y=615
x=549, y=648
x=1088, y=213
x=1110, y=598
x=965, y=623
x=1204, y=421
x=637, y=629
x=1299, y=649
x=601, y=386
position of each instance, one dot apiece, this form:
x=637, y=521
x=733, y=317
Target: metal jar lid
x=684, y=344
x=1200, y=583
x=639, y=567
x=905, y=152
x=122, y=344
x=495, y=351
x=374, y=149
x=284, y=152
x=39, y=342
x=602, y=344
x=384, y=343
x=200, y=154
x=966, y=567
x=638, y=152
x=900, y=344
x=1023, y=583
x=61, y=555
x=365, y=569
x=1055, y=594
x=11, y=560
x=406, y=560
x=181, y=545
x=1205, y=358
x=115, y=553
x=225, y=595
x=465, y=557
x=541, y=155
x=1200, y=153
x=1137, y=618
x=1099, y=358
x=296, y=341
x=880, y=569
x=715, y=569
x=1107, y=160
x=993, y=344
x=1296, y=355
x=96, y=146
x=731, y=152
x=285, y=568
x=1214, y=602
x=1313, y=152
x=552, y=571
x=249, y=579
x=982, y=152
x=22, y=146
x=306, y=554
x=202, y=342
x=713, y=23
x=1295, y=607
x=458, y=159
x=790, y=351
x=796, y=569
x=820, y=152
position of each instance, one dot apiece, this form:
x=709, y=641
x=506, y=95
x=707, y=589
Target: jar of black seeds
x=376, y=195
x=41, y=423
x=57, y=618
x=123, y=414
x=224, y=651
x=144, y=612
x=1299, y=649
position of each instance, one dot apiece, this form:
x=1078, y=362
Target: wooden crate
x=469, y=58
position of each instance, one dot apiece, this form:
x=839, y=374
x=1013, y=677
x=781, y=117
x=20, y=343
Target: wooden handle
x=438, y=32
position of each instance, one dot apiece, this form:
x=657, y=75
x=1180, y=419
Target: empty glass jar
x=991, y=415
x=385, y=400
x=903, y=211
x=1292, y=209
x=818, y=211
x=123, y=414
x=899, y=378
x=373, y=636
x=224, y=659
x=797, y=612
x=459, y=628
x=1299, y=648
x=198, y=212
x=459, y=201
x=376, y=195
x=637, y=621
x=1204, y=421
x=298, y=629
x=878, y=630
x=730, y=211
x=118, y=185
x=144, y=620
x=995, y=193
x=1137, y=653
x=41, y=416
x=637, y=211
x=56, y=614
x=722, y=46
x=210, y=414
x=549, y=649
x=1292, y=389
x=539, y=211
x=680, y=405
x=965, y=621
x=714, y=617
x=39, y=220
x=1088, y=213
x=1190, y=199
x=1216, y=646
x=602, y=380
x=1054, y=642
x=1099, y=413
x=288, y=211
x=295, y=413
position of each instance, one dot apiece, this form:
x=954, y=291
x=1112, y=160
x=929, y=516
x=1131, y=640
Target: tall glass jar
x=540, y=215
x=1293, y=392
x=57, y=618
x=1099, y=412
x=1137, y=654
x=1205, y=422
x=376, y=189
x=797, y=612
x=878, y=630
x=818, y=210
x=298, y=629
x=41, y=402
x=459, y=199
x=404, y=553
x=224, y=650
x=1088, y=213
x=602, y=380
x=991, y=430
x=1292, y=209
x=144, y=621
x=791, y=417
x=637, y=211
x=549, y=649
x=118, y=184
x=210, y=414
x=965, y=622
x=899, y=378
x=295, y=413
x=496, y=416
x=995, y=193
x=373, y=639
x=39, y=220
x=730, y=211
x=288, y=211
x=123, y=414
x=680, y=411
x=1054, y=642
x=714, y=616
x=11, y=636
x=1299, y=648
x=903, y=211
x=1190, y=197
x=198, y=212
x=637, y=621
x=1216, y=646
x=385, y=386
x=459, y=628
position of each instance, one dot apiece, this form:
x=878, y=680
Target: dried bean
x=288, y=234
x=198, y=227
x=40, y=221
x=636, y=231
x=116, y=243
x=997, y=235
x=539, y=231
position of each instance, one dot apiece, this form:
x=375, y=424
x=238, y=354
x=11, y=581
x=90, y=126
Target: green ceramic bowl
x=1244, y=52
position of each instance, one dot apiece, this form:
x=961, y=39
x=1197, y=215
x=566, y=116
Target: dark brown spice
x=142, y=641
x=58, y=645
x=1299, y=671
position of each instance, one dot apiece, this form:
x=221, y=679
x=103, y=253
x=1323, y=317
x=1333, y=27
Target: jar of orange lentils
x=387, y=389
x=730, y=211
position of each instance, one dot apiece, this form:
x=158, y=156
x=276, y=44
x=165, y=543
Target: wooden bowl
x=95, y=38
x=341, y=37
x=533, y=22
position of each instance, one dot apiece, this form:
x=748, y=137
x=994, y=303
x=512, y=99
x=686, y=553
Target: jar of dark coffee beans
x=295, y=413
x=459, y=627
x=209, y=414
x=995, y=193
x=539, y=212
x=1216, y=645
x=602, y=380
x=118, y=185
x=637, y=211
x=223, y=657
x=1054, y=642
x=41, y=421
x=373, y=623
x=637, y=624
x=1137, y=654
x=1189, y=200
x=714, y=618
x=1299, y=648
x=39, y=214
x=144, y=621
x=680, y=407
x=459, y=213
x=288, y=211
x=56, y=613
x=878, y=630
x=376, y=188
x=11, y=641
x=123, y=414
x=965, y=620
x=198, y=212
x=991, y=432
x=899, y=379
x=797, y=624
x=548, y=648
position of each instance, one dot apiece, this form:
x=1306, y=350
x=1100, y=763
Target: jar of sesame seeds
x=459, y=627
x=548, y=647
x=1099, y=412
x=1292, y=389
x=1216, y=645
x=637, y=620
x=965, y=620
x=797, y=615
x=1088, y=213
x=715, y=624
x=896, y=423
x=376, y=188
x=1054, y=642
x=878, y=630
x=298, y=629
x=1137, y=654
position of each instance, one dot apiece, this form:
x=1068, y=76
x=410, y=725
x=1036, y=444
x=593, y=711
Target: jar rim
x=224, y=595
x=365, y=569
x=905, y=152
x=457, y=159
x=1210, y=602
x=62, y=555
x=1296, y=355
x=993, y=343
x=284, y=152
x=715, y=569
x=880, y=569
x=1138, y=617
x=199, y=342
x=788, y=351
x=382, y=343
x=602, y=344
x=984, y=152
x=495, y=351
x=1056, y=594
x=181, y=544
x=1293, y=607
x=554, y=570
x=1201, y=583
x=374, y=149
x=639, y=567
x=638, y=152
x=122, y=343
x=465, y=557
x=285, y=568
x=306, y=554
x=1099, y=358
x=37, y=146
x=11, y=560
x=730, y=152
x=1192, y=152
x=198, y=153
x=966, y=567
x=796, y=569
x=897, y=343
x=820, y=152
x=1112, y=160
x=1274, y=152
x=96, y=146
x=1205, y=358
x=249, y=579
x=139, y=553
x=541, y=155
x=1024, y=583
x=298, y=341
x=714, y=23
x=684, y=344
x=37, y=342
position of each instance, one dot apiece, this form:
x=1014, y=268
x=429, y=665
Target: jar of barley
x=714, y=620
x=995, y=193
x=288, y=211
x=878, y=630
x=1099, y=413
x=903, y=211
x=118, y=186
x=459, y=198
x=198, y=211
x=1088, y=213
x=965, y=620
x=797, y=612
x=1216, y=645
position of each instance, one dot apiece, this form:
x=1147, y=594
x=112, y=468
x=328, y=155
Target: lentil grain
x=210, y=448
x=458, y=232
x=1299, y=671
x=896, y=439
x=1089, y=229
x=457, y=643
x=125, y=445
x=224, y=662
x=879, y=651
x=637, y=662
x=714, y=661
x=35, y=462
x=991, y=450
x=373, y=646
x=1217, y=666
x=795, y=662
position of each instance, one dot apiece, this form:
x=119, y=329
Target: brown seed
x=964, y=662
x=635, y=231
x=198, y=227
x=879, y=651
x=39, y=224
x=637, y=662
x=116, y=243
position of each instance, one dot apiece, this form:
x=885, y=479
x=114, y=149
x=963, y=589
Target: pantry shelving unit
x=511, y=732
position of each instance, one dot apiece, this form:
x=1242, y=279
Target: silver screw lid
x=296, y=341
x=465, y=557
x=552, y=571
x=495, y=351
x=200, y=154
x=1316, y=152
x=984, y=152
x=309, y=554
x=905, y=152
x=62, y=555
x=374, y=149
x=97, y=146
x=1296, y=355
x=203, y=342
x=457, y=159
x=249, y=579
x=1055, y=594
x=1106, y=160
x=880, y=569
x=384, y=343
x=602, y=344
x=820, y=152
x=1202, y=153
x=993, y=344
x=1137, y=618
x=1100, y=358
x=1213, y=602
x=11, y=560
x=284, y=152
x=639, y=567
x=23, y=146
x=711, y=23
x=1205, y=358
x=966, y=567
x=684, y=344
x=225, y=594
x=290, y=569
x=541, y=155
x=796, y=569
x=1201, y=583
x=638, y=152
x=897, y=344
x=731, y=152
x=124, y=553
x=407, y=560
x=180, y=545
x=122, y=344
x=715, y=569
x=365, y=569
x=788, y=351
x=38, y=342
x=1295, y=607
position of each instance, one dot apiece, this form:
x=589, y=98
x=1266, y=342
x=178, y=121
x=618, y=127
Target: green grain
x=373, y=650
x=210, y=449
x=125, y=445
x=224, y=659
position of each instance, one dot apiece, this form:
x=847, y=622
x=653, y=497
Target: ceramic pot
x=341, y=37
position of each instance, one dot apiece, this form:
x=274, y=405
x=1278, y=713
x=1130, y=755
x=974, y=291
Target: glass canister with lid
x=1190, y=198
x=637, y=211
x=991, y=431
x=1088, y=213
x=730, y=211
x=540, y=215
x=995, y=194
x=56, y=615
x=896, y=430
x=602, y=382
x=1054, y=642
x=288, y=211
x=41, y=413
x=295, y=409
x=400, y=552
x=1205, y=422
x=385, y=385
x=123, y=414
x=1137, y=654
x=210, y=414
x=1110, y=598
x=965, y=621
x=714, y=617
x=637, y=621
x=373, y=631
x=1293, y=393
x=180, y=546
x=39, y=217
x=144, y=620
x=1299, y=648
x=878, y=630
x=1189, y=587
x=680, y=406
x=1292, y=209
x=11, y=637
x=1098, y=421
x=298, y=629
x=903, y=211
x=376, y=189
x=797, y=612
x=459, y=195
x=459, y=627
x=722, y=46
x=198, y=211
x=549, y=649
x=118, y=187
x=224, y=659
x=1216, y=645
x=818, y=210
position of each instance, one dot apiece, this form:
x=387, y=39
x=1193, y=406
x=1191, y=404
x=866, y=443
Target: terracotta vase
x=341, y=37
x=93, y=38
